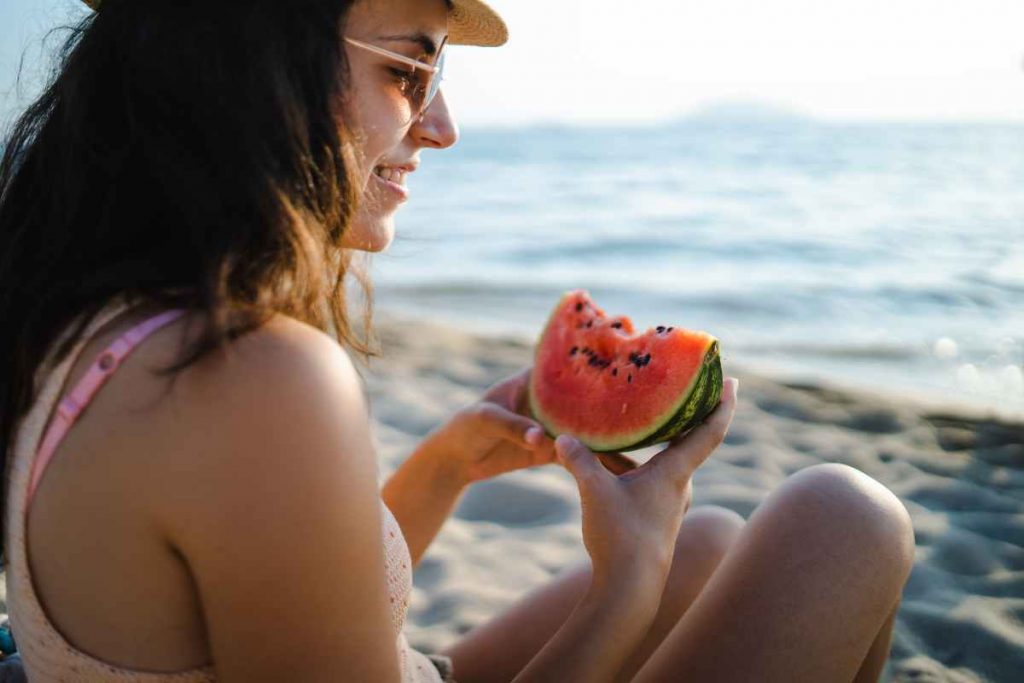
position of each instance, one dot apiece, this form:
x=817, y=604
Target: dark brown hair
x=185, y=153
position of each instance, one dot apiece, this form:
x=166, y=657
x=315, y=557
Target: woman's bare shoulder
x=280, y=349
x=285, y=395
x=282, y=359
x=274, y=505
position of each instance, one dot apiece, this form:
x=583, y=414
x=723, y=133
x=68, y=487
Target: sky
x=599, y=61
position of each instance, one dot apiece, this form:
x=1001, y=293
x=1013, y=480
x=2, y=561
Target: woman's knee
x=842, y=507
x=704, y=538
x=709, y=530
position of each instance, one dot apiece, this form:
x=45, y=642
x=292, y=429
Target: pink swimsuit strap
x=72, y=405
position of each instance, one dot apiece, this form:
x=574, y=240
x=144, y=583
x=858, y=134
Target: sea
x=880, y=256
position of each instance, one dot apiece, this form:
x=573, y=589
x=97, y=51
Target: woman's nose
x=437, y=127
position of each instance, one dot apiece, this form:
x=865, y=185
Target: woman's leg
x=499, y=649
x=807, y=593
x=871, y=667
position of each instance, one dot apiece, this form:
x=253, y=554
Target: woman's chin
x=372, y=237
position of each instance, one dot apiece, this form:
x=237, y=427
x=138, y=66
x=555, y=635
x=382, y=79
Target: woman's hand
x=633, y=519
x=498, y=434
x=492, y=436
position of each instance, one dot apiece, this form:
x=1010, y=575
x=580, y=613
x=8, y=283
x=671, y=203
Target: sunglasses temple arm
x=394, y=55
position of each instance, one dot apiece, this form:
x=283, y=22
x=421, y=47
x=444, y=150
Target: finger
x=688, y=452
x=521, y=401
x=507, y=393
x=582, y=464
x=617, y=463
x=499, y=422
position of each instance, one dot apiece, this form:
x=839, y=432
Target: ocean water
x=886, y=256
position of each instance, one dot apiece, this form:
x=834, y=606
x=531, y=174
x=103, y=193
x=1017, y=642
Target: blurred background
x=832, y=188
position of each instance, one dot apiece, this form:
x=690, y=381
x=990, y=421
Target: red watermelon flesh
x=616, y=390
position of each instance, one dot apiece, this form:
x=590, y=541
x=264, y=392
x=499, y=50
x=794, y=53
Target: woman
x=187, y=194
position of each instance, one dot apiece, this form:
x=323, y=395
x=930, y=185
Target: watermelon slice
x=615, y=390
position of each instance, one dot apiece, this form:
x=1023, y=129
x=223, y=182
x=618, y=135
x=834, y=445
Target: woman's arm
x=603, y=630
x=421, y=494
x=605, y=627
x=272, y=500
x=482, y=440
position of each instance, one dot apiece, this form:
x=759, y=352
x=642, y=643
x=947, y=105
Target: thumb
x=582, y=464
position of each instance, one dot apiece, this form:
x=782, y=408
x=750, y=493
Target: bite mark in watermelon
x=616, y=390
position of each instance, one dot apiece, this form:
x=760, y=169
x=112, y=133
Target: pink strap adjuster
x=68, y=409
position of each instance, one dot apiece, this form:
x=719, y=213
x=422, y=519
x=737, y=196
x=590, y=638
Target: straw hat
x=471, y=22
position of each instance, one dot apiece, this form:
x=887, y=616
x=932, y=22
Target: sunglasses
x=424, y=80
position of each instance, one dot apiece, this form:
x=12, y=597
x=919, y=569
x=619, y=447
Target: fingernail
x=533, y=434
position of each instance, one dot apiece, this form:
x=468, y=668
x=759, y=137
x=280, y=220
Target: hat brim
x=471, y=22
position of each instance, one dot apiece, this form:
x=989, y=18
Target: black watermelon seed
x=590, y=323
x=661, y=328
x=629, y=379
x=574, y=350
x=579, y=307
x=617, y=325
x=615, y=371
x=647, y=359
x=670, y=329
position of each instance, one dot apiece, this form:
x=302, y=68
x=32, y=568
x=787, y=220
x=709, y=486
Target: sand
x=960, y=475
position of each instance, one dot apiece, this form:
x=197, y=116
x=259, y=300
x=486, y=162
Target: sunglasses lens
x=435, y=82
x=424, y=91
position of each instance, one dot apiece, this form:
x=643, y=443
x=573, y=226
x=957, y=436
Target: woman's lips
x=401, y=192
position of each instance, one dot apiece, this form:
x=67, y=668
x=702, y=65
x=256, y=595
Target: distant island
x=742, y=112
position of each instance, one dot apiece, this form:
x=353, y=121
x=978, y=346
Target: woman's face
x=386, y=138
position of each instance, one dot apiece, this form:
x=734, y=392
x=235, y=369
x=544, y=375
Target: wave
x=886, y=352
x=779, y=298
x=1015, y=286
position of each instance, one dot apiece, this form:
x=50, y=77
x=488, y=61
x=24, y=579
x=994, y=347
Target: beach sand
x=961, y=476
